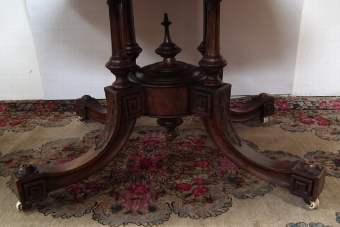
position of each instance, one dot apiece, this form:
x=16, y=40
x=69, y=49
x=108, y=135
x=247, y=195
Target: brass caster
x=264, y=120
x=312, y=205
x=18, y=205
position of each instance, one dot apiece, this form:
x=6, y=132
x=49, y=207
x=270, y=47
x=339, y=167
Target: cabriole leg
x=32, y=183
x=304, y=179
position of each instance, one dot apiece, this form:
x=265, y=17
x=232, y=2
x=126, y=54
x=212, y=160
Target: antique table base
x=167, y=90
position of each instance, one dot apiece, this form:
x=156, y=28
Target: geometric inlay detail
x=35, y=191
x=302, y=187
x=202, y=103
x=133, y=105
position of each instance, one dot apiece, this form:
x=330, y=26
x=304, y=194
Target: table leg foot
x=90, y=108
x=304, y=179
x=260, y=106
x=32, y=183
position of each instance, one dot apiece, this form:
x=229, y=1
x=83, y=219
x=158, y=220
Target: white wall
x=318, y=59
x=259, y=39
x=19, y=71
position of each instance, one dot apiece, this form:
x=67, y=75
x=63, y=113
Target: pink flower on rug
x=66, y=148
x=152, y=139
x=52, y=105
x=198, y=142
x=22, y=117
x=47, y=107
x=139, y=190
x=3, y=122
x=304, y=119
x=185, y=144
x=144, y=163
x=322, y=121
x=156, y=163
x=93, y=186
x=4, y=106
x=183, y=187
x=323, y=104
x=335, y=105
x=202, y=164
x=137, y=198
x=200, y=190
x=9, y=161
x=135, y=204
x=14, y=123
x=307, y=121
x=283, y=105
x=39, y=107
x=236, y=180
x=136, y=163
x=115, y=195
x=74, y=190
x=199, y=181
x=151, y=143
x=319, y=118
x=239, y=180
x=302, y=116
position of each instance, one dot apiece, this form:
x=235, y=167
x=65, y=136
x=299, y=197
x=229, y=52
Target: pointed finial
x=166, y=22
x=168, y=50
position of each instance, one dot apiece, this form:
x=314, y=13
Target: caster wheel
x=312, y=205
x=18, y=205
x=264, y=120
x=81, y=119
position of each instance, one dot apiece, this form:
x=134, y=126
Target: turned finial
x=168, y=50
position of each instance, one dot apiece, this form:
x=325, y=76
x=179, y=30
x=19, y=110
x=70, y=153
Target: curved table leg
x=302, y=178
x=32, y=183
x=259, y=106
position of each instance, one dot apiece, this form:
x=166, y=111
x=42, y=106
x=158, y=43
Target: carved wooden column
x=119, y=63
x=132, y=49
x=202, y=47
x=212, y=61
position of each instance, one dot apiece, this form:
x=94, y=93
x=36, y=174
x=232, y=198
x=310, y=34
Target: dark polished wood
x=119, y=63
x=171, y=126
x=212, y=62
x=259, y=106
x=132, y=49
x=167, y=90
x=90, y=108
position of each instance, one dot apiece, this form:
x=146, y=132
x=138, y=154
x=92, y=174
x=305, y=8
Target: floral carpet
x=152, y=179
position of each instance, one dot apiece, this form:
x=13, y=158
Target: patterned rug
x=152, y=179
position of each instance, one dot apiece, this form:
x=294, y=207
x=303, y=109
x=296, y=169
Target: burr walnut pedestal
x=167, y=90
